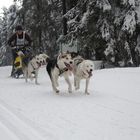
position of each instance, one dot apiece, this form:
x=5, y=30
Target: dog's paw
x=76, y=88
x=87, y=93
x=57, y=91
x=31, y=78
x=37, y=83
x=70, y=91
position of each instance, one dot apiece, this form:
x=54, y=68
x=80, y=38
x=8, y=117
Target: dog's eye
x=91, y=65
x=67, y=58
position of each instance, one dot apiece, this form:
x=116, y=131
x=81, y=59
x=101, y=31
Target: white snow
x=34, y=112
x=105, y=5
x=138, y=12
x=131, y=2
x=130, y=22
x=85, y=18
x=105, y=30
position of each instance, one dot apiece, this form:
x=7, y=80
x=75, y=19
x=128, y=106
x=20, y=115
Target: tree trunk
x=64, y=19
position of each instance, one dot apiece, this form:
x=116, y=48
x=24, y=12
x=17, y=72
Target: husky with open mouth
x=30, y=70
x=61, y=66
x=82, y=70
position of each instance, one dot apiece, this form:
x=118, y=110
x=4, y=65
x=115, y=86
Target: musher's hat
x=18, y=28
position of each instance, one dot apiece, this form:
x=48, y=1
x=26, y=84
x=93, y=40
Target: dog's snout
x=91, y=70
x=71, y=62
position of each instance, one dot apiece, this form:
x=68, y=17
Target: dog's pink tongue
x=90, y=74
x=39, y=65
x=70, y=68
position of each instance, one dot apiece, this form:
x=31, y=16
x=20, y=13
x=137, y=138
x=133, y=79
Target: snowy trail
x=18, y=127
x=6, y=134
x=38, y=132
x=34, y=112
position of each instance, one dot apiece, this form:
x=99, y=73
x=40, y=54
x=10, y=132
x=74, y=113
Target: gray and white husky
x=61, y=66
x=30, y=70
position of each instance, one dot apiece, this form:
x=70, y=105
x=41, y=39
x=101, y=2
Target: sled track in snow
x=16, y=126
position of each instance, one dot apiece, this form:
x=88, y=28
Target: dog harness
x=34, y=67
x=78, y=61
x=61, y=71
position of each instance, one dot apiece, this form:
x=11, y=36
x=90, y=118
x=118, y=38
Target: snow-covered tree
x=7, y=24
x=43, y=20
x=95, y=23
x=109, y=28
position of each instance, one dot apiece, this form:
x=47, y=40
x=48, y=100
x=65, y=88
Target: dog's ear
x=61, y=55
x=46, y=56
x=47, y=59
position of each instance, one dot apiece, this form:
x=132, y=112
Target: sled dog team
x=64, y=65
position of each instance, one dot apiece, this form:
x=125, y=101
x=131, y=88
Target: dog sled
x=17, y=67
x=22, y=55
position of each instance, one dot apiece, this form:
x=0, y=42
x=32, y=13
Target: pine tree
x=107, y=30
x=8, y=22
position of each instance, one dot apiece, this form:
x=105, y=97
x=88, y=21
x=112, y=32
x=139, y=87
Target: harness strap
x=33, y=67
x=80, y=60
x=17, y=47
x=61, y=71
x=22, y=38
x=79, y=63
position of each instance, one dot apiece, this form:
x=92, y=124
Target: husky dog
x=61, y=66
x=30, y=70
x=44, y=58
x=82, y=70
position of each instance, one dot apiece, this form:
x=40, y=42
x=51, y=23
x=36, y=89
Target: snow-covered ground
x=34, y=112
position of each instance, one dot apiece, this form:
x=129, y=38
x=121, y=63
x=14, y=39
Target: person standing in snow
x=19, y=41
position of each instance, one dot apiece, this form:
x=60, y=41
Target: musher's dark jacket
x=12, y=40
